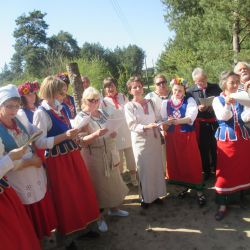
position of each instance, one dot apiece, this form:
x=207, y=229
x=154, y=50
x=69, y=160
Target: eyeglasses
x=93, y=100
x=160, y=83
x=9, y=106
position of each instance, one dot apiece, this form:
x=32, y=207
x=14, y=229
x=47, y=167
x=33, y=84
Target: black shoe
x=220, y=214
x=182, y=194
x=144, y=205
x=71, y=246
x=158, y=201
x=201, y=200
x=88, y=235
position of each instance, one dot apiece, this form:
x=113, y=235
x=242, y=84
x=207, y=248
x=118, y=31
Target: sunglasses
x=160, y=83
x=93, y=100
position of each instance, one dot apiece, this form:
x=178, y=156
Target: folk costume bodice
x=227, y=129
x=178, y=111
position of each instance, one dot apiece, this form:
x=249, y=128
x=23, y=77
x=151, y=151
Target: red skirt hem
x=42, y=215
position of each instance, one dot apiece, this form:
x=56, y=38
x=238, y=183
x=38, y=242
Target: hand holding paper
x=33, y=137
x=207, y=102
x=241, y=97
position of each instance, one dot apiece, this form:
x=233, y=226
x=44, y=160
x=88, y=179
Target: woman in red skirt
x=233, y=172
x=16, y=230
x=183, y=156
x=71, y=188
x=30, y=183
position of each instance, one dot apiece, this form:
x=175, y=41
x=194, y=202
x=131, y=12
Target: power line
x=123, y=19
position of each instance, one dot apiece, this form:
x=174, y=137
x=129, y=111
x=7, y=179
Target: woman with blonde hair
x=71, y=188
x=101, y=156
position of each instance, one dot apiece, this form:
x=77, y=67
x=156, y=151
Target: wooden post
x=75, y=80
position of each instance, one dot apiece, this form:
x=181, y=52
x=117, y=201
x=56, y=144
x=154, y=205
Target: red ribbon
x=115, y=100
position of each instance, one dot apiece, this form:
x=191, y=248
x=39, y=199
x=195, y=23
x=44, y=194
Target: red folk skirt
x=184, y=165
x=16, y=230
x=233, y=169
x=72, y=192
x=43, y=216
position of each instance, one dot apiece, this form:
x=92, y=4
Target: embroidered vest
x=9, y=144
x=228, y=127
x=29, y=113
x=59, y=127
x=7, y=139
x=182, y=109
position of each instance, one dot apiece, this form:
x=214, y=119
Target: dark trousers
x=208, y=147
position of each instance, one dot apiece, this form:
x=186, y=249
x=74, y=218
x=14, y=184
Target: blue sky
x=110, y=22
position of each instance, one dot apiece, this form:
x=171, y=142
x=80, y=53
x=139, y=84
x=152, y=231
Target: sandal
x=201, y=200
x=220, y=214
x=182, y=194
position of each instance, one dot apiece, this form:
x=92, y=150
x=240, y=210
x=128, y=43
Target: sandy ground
x=177, y=224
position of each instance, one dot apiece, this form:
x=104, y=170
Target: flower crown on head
x=64, y=76
x=28, y=87
x=179, y=81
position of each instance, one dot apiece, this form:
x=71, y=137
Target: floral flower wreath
x=179, y=81
x=64, y=76
x=28, y=87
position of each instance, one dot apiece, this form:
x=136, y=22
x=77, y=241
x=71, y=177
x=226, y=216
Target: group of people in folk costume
x=69, y=177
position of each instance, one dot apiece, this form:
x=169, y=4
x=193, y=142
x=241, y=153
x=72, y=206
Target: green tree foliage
x=30, y=36
x=96, y=69
x=204, y=34
x=63, y=44
x=122, y=62
x=37, y=55
x=5, y=75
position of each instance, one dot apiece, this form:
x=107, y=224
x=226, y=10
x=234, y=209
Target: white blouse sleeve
x=131, y=118
x=222, y=112
x=245, y=115
x=192, y=110
x=41, y=121
x=163, y=110
x=6, y=164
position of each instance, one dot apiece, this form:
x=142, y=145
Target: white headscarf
x=7, y=92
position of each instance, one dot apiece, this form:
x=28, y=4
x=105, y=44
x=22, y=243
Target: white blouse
x=42, y=121
x=29, y=183
x=136, y=118
x=225, y=113
x=123, y=138
x=191, y=111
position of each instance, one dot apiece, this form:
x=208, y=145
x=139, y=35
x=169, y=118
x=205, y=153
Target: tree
x=204, y=35
x=63, y=44
x=130, y=58
x=6, y=75
x=30, y=36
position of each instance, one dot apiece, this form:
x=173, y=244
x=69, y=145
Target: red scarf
x=115, y=100
x=12, y=127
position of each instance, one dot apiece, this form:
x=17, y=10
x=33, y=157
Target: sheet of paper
x=34, y=137
x=167, y=122
x=241, y=97
x=113, y=125
x=206, y=101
